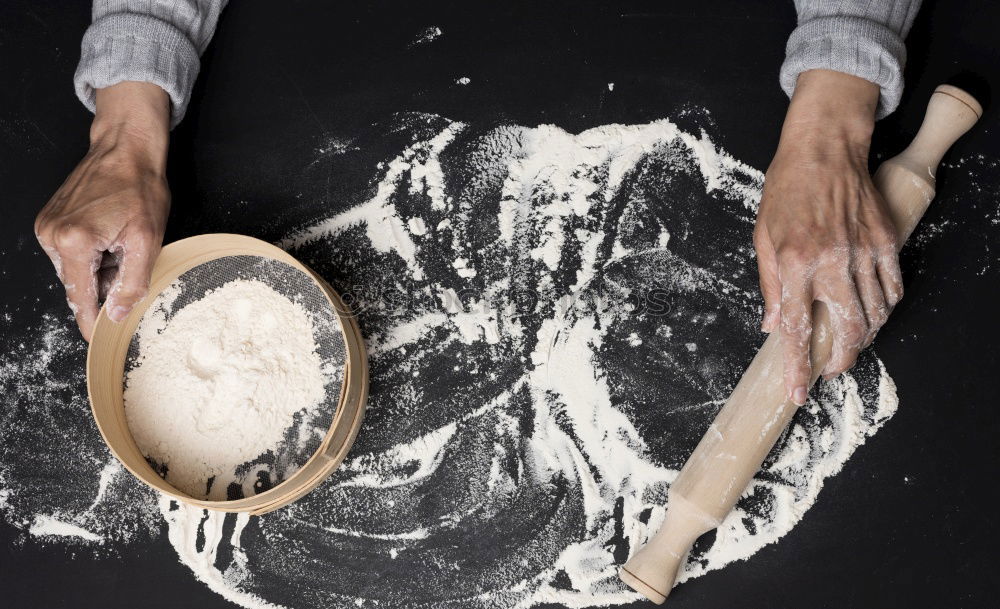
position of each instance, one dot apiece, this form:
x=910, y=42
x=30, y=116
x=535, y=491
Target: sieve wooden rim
x=106, y=366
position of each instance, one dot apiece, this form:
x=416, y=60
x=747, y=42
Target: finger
x=890, y=277
x=770, y=284
x=847, y=322
x=80, y=278
x=796, y=330
x=872, y=300
x=136, y=252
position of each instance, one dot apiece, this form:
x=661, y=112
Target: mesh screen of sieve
x=299, y=442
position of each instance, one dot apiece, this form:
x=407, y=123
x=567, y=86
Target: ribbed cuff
x=857, y=46
x=131, y=47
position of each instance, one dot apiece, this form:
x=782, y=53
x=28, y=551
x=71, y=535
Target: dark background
x=281, y=79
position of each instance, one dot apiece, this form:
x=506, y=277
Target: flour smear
x=554, y=319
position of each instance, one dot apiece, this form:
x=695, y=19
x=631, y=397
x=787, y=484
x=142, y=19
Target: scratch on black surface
x=305, y=101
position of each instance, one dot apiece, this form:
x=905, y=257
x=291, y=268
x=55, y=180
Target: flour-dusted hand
x=104, y=226
x=823, y=231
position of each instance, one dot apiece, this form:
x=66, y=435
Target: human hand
x=104, y=227
x=823, y=231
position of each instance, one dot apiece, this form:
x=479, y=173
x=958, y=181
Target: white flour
x=545, y=410
x=218, y=385
x=46, y=526
x=550, y=437
x=428, y=34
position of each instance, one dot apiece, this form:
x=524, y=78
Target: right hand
x=823, y=231
x=104, y=227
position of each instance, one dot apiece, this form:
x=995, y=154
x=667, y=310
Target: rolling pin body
x=743, y=433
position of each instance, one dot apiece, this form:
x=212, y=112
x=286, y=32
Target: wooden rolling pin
x=745, y=430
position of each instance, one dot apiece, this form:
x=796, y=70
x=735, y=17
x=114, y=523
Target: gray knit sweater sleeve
x=859, y=37
x=155, y=41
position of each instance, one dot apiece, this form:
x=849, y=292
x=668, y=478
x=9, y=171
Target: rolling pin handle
x=950, y=113
x=653, y=570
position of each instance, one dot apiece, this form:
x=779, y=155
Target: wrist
x=133, y=118
x=831, y=110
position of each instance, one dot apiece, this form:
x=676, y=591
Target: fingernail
x=118, y=313
x=800, y=395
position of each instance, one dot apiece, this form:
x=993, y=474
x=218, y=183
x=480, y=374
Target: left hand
x=823, y=231
x=104, y=226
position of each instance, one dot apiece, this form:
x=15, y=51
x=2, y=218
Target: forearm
x=146, y=41
x=134, y=119
x=831, y=111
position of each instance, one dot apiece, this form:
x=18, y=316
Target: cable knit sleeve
x=155, y=41
x=859, y=37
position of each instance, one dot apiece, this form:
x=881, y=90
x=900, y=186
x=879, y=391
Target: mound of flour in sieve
x=217, y=384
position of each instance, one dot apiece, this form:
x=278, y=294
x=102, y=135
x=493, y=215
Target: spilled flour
x=219, y=383
x=554, y=319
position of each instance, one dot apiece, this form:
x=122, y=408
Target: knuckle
x=72, y=236
x=796, y=332
x=131, y=294
x=790, y=271
x=142, y=235
x=41, y=227
x=884, y=232
x=880, y=316
x=887, y=258
x=886, y=245
x=855, y=333
x=794, y=256
x=895, y=294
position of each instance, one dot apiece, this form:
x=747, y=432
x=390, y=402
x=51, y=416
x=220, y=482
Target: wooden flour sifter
x=205, y=262
x=758, y=411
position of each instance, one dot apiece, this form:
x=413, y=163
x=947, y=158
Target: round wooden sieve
x=109, y=348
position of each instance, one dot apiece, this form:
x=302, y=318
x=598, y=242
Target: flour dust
x=58, y=480
x=554, y=319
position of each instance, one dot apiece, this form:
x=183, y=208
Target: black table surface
x=908, y=522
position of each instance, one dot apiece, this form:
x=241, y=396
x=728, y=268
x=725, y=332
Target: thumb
x=137, y=251
x=770, y=285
